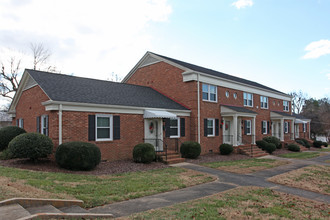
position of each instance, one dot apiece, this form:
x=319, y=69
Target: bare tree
x=40, y=55
x=298, y=100
x=8, y=79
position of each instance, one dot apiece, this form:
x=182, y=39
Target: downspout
x=198, y=111
x=60, y=124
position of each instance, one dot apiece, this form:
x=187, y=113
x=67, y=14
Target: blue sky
x=284, y=44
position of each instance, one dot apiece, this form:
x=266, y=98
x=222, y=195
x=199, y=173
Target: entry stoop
x=254, y=152
x=172, y=158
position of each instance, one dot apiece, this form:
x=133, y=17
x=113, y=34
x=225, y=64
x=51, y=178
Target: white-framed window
x=20, y=123
x=209, y=93
x=235, y=95
x=304, y=127
x=285, y=106
x=44, y=125
x=227, y=94
x=248, y=99
x=263, y=102
x=264, y=127
x=286, y=127
x=210, y=127
x=248, y=127
x=104, y=127
x=175, y=128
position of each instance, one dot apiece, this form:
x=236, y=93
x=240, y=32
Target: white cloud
x=317, y=49
x=90, y=38
x=242, y=3
x=328, y=75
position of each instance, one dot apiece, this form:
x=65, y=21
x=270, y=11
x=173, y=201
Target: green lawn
x=325, y=149
x=242, y=203
x=245, y=166
x=301, y=155
x=99, y=190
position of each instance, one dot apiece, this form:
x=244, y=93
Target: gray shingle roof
x=218, y=74
x=239, y=109
x=283, y=114
x=299, y=116
x=60, y=87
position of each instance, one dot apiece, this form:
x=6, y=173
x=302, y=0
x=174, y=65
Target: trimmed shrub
x=226, y=149
x=144, y=153
x=303, y=142
x=7, y=134
x=317, y=144
x=300, y=142
x=293, y=147
x=31, y=145
x=78, y=155
x=190, y=149
x=261, y=144
x=273, y=140
x=325, y=144
x=5, y=155
x=270, y=148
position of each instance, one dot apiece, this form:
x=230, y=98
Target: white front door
x=226, y=134
x=153, y=132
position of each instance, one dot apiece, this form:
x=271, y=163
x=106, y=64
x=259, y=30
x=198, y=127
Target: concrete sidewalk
x=225, y=182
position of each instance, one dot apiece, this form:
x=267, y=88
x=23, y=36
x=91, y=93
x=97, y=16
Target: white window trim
x=42, y=118
x=20, y=123
x=304, y=127
x=209, y=93
x=249, y=122
x=286, y=107
x=178, y=128
x=213, y=130
x=286, y=127
x=263, y=103
x=111, y=127
x=264, y=123
x=247, y=100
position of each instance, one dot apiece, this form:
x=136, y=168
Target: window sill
x=248, y=106
x=174, y=136
x=100, y=140
x=210, y=101
x=210, y=135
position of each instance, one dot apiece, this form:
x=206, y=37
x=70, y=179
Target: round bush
x=226, y=149
x=293, y=147
x=7, y=134
x=78, y=155
x=190, y=149
x=261, y=144
x=273, y=140
x=300, y=142
x=144, y=153
x=325, y=144
x=303, y=142
x=30, y=145
x=270, y=148
x=317, y=144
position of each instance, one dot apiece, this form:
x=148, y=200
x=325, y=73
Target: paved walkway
x=224, y=182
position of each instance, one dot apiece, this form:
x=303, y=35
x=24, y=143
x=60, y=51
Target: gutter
x=198, y=111
x=60, y=124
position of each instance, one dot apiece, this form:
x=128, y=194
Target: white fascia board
x=214, y=80
x=160, y=59
x=18, y=94
x=274, y=115
x=87, y=107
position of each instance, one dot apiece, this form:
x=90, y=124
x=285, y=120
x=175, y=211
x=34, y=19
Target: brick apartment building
x=162, y=101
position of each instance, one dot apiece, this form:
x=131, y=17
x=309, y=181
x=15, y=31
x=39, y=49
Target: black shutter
x=205, y=127
x=216, y=127
x=91, y=127
x=17, y=122
x=47, y=125
x=268, y=127
x=262, y=127
x=167, y=127
x=245, y=127
x=116, y=127
x=289, y=127
x=182, y=127
x=22, y=123
x=38, y=124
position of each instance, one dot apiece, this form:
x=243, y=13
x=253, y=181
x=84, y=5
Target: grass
x=98, y=190
x=325, y=149
x=242, y=203
x=301, y=155
x=314, y=178
x=245, y=166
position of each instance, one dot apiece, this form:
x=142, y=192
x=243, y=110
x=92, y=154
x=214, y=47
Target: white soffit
x=298, y=121
x=158, y=114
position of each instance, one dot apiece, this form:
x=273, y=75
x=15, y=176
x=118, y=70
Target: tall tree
x=9, y=75
x=298, y=100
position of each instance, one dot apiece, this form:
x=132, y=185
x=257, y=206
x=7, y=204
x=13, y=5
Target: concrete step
x=13, y=212
x=175, y=160
x=43, y=209
x=172, y=156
